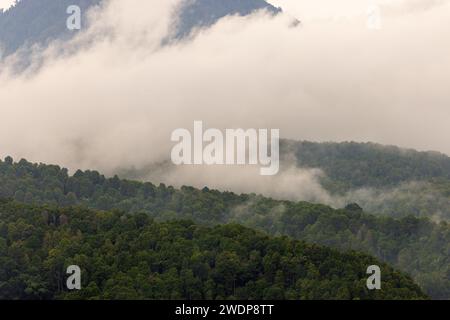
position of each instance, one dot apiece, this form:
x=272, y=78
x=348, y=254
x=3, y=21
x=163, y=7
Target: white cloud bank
x=115, y=102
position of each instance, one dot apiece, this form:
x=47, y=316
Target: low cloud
x=111, y=97
x=292, y=183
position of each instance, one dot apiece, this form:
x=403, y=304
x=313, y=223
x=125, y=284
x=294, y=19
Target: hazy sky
x=116, y=101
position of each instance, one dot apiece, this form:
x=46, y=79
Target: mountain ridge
x=415, y=245
x=38, y=22
x=126, y=256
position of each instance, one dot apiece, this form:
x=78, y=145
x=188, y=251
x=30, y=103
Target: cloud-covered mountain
x=203, y=13
x=32, y=22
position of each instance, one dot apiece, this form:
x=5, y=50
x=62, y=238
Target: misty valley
x=56, y=201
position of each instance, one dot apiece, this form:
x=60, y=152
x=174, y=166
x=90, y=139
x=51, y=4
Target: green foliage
x=415, y=245
x=130, y=256
x=385, y=180
x=351, y=165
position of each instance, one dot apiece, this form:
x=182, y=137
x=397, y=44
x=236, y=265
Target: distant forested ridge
x=384, y=179
x=130, y=256
x=350, y=165
x=417, y=246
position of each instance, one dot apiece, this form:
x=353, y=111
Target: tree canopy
x=130, y=256
x=417, y=246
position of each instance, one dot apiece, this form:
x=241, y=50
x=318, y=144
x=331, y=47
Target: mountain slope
x=203, y=13
x=417, y=246
x=383, y=179
x=33, y=22
x=132, y=257
x=353, y=165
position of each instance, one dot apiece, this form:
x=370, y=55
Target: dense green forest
x=429, y=199
x=417, y=246
x=351, y=165
x=130, y=256
x=385, y=180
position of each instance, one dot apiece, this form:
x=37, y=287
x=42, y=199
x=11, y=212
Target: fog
x=111, y=97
